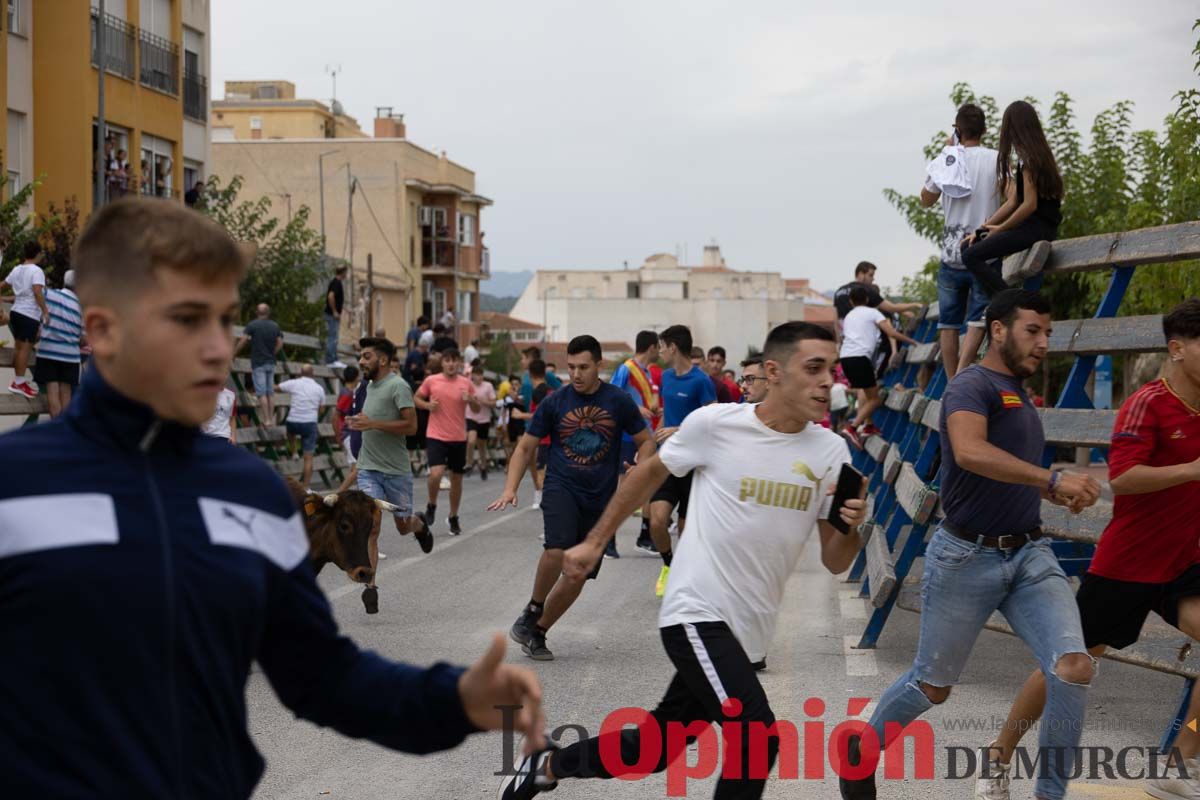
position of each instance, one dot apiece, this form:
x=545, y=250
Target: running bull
x=339, y=527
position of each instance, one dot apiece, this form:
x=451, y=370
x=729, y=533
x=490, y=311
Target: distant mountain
x=506, y=284
x=489, y=302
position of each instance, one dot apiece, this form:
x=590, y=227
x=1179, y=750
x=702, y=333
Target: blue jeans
x=332, y=328
x=394, y=489
x=960, y=297
x=963, y=584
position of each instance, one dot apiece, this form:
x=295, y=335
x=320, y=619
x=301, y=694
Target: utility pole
x=350, y=237
x=101, y=128
x=370, y=296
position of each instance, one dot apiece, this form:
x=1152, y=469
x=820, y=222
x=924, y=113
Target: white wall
x=18, y=137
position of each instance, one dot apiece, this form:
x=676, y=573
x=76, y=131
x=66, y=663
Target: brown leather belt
x=1007, y=541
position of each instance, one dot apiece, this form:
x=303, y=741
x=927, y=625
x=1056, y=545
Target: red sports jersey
x=1152, y=537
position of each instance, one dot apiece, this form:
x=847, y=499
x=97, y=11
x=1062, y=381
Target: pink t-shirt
x=485, y=393
x=449, y=422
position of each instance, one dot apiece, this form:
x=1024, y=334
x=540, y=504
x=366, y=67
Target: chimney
x=388, y=125
x=712, y=256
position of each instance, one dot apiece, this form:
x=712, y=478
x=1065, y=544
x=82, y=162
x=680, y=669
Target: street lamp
x=321, y=190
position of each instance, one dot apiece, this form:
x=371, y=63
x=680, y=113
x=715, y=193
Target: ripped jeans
x=963, y=584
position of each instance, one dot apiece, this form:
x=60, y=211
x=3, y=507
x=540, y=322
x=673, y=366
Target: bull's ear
x=331, y=500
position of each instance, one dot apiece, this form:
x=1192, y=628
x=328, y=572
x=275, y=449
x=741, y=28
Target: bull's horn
x=331, y=500
x=386, y=506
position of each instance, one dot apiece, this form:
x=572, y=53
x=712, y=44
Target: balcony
x=485, y=263
x=439, y=253
x=159, y=61
x=195, y=96
x=119, y=37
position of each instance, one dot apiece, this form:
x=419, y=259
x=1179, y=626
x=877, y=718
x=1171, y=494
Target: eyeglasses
x=750, y=379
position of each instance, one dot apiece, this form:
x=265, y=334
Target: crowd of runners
x=148, y=526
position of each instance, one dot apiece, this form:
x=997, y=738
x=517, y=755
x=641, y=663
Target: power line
x=399, y=260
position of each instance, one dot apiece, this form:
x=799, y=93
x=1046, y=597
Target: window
x=633, y=290
x=576, y=293
x=464, y=307
x=13, y=20
x=591, y=293
x=192, y=174
x=466, y=230
x=157, y=166
x=685, y=290
x=14, y=151
x=439, y=303
x=156, y=17
x=256, y=123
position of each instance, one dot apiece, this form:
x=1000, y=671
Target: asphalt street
x=445, y=606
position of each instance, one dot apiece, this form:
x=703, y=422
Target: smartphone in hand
x=850, y=482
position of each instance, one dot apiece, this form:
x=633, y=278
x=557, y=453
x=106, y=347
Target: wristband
x=1055, y=479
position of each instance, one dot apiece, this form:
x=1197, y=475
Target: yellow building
x=270, y=110
x=414, y=213
x=156, y=97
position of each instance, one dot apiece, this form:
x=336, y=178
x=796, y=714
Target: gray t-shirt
x=980, y=505
x=381, y=451
x=262, y=333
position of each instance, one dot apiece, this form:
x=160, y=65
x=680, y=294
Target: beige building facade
x=722, y=306
x=407, y=219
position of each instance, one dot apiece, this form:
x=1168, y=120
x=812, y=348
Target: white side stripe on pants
x=706, y=664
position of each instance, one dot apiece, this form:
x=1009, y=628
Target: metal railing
x=195, y=96
x=159, y=59
x=119, y=37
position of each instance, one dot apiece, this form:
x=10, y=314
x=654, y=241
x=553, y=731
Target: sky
x=608, y=131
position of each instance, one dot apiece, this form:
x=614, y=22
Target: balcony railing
x=195, y=96
x=159, y=59
x=119, y=37
x=485, y=263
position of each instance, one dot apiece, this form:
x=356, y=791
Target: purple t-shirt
x=980, y=505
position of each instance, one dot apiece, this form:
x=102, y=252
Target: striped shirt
x=60, y=337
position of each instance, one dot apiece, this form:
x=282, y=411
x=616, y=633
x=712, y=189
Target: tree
x=57, y=234
x=289, y=264
x=502, y=356
x=1124, y=179
x=16, y=227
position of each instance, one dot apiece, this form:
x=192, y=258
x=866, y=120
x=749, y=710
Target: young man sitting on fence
x=989, y=552
x=143, y=524
x=1148, y=558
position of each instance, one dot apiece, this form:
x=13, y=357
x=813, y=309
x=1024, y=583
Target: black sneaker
x=856, y=790
x=759, y=666
x=647, y=544
x=370, y=598
x=536, y=648
x=610, y=550
x=522, y=630
x=483, y=474
x=455, y=528
x=528, y=777
x=424, y=536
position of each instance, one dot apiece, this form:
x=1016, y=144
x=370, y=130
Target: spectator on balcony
x=194, y=195
x=442, y=339
x=29, y=313
x=162, y=173
x=57, y=367
x=449, y=321
x=335, y=300
x=123, y=173
x=145, y=179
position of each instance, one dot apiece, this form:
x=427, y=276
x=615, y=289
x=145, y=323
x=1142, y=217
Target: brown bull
x=340, y=527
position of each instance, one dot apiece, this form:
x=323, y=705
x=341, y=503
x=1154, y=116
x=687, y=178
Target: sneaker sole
x=536, y=656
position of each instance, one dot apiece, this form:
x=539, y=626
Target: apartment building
x=413, y=213
x=722, y=306
x=156, y=55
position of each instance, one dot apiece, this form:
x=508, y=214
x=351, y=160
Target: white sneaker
x=537, y=500
x=1176, y=788
x=674, y=529
x=336, y=364
x=992, y=782
x=445, y=484
x=382, y=556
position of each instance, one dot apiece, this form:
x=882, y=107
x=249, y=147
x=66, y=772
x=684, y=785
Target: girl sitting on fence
x=1032, y=209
